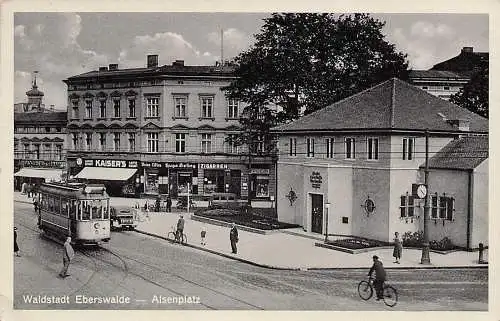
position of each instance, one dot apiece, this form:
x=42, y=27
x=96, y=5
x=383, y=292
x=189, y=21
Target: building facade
x=39, y=142
x=348, y=169
x=439, y=83
x=161, y=130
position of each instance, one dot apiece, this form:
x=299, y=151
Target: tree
x=306, y=61
x=474, y=95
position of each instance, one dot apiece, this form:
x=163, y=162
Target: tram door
x=317, y=213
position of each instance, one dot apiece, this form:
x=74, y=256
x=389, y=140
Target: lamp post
x=327, y=207
x=425, y=244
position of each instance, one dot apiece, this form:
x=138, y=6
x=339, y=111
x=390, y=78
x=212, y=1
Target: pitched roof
x=464, y=153
x=435, y=74
x=42, y=117
x=393, y=104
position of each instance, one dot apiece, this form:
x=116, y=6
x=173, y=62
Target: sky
x=61, y=45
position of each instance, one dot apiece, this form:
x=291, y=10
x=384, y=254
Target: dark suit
x=233, y=237
x=380, y=277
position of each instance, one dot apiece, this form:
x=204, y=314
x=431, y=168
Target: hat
x=15, y=228
x=375, y=257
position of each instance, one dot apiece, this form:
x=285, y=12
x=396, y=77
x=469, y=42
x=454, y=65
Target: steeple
x=35, y=96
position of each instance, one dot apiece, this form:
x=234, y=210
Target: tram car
x=77, y=210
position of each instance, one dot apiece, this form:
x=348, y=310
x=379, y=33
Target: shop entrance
x=317, y=213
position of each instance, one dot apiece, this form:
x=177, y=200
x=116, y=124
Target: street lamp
x=327, y=207
x=426, y=259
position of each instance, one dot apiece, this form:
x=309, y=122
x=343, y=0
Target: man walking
x=233, y=237
x=380, y=276
x=68, y=255
x=180, y=229
x=169, y=204
x=16, y=247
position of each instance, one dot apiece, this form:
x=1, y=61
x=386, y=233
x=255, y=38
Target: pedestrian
x=157, y=204
x=180, y=228
x=68, y=255
x=233, y=237
x=203, y=235
x=398, y=248
x=169, y=204
x=28, y=190
x=35, y=204
x=16, y=247
x=23, y=188
x=380, y=277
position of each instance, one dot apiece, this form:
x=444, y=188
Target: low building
x=348, y=168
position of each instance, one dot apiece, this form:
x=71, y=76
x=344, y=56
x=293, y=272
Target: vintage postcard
x=333, y=159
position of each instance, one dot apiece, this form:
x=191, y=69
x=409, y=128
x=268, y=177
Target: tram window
x=105, y=211
x=72, y=209
x=57, y=205
x=85, y=211
x=64, y=207
x=96, y=212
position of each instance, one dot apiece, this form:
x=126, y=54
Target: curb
x=222, y=254
x=462, y=267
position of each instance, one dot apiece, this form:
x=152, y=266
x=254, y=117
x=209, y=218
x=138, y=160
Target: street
x=142, y=272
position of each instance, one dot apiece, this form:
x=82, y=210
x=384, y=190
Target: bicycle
x=172, y=235
x=365, y=291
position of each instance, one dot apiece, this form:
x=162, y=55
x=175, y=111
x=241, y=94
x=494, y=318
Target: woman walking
x=16, y=247
x=398, y=248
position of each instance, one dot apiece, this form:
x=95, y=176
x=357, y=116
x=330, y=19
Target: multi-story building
x=160, y=129
x=39, y=142
x=348, y=168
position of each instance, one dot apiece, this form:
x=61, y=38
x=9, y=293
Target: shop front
x=260, y=179
x=34, y=171
x=171, y=178
x=220, y=178
x=121, y=177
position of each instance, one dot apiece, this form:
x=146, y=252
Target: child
x=203, y=235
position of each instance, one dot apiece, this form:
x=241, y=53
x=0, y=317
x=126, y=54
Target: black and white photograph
x=277, y=160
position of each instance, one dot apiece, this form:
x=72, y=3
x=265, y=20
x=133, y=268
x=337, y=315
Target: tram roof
x=75, y=190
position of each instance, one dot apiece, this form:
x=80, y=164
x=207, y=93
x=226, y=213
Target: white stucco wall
x=479, y=228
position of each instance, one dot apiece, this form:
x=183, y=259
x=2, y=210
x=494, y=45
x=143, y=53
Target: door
x=317, y=213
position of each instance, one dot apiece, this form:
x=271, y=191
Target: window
x=58, y=153
x=180, y=143
x=180, y=106
x=131, y=108
x=260, y=144
x=131, y=142
x=206, y=143
x=37, y=151
x=116, y=108
x=330, y=151
x=46, y=153
x=442, y=207
x=232, y=108
x=102, y=142
x=372, y=148
x=408, y=148
x=230, y=142
x=116, y=142
x=446, y=88
x=26, y=150
x=47, y=129
x=102, y=109
x=425, y=87
x=74, y=109
x=350, y=148
x=88, y=109
x=152, y=104
x=206, y=107
x=152, y=142
x=310, y=147
x=88, y=141
x=407, y=207
x=74, y=140
x=293, y=147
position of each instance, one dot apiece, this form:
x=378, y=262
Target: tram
x=77, y=210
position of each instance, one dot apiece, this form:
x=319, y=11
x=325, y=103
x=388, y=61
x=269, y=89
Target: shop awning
x=48, y=174
x=106, y=174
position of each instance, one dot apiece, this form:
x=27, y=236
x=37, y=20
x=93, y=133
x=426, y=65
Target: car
x=123, y=217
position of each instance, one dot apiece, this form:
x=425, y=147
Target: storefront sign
x=111, y=163
x=42, y=163
x=152, y=164
x=316, y=179
x=213, y=166
x=180, y=165
x=259, y=171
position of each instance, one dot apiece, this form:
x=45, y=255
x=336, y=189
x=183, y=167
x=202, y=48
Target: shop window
x=151, y=182
x=184, y=179
x=213, y=182
x=261, y=186
x=350, y=148
x=310, y=147
x=407, y=207
x=330, y=150
x=292, y=147
x=372, y=148
x=408, y=148
x=442, y=207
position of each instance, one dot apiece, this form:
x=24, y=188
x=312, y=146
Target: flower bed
x=356, y=243
x=250, y=220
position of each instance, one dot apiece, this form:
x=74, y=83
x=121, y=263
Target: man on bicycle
x=380, y=276
x=180, y=229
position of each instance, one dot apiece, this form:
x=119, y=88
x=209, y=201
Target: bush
x=414, y=239
x=444, y=245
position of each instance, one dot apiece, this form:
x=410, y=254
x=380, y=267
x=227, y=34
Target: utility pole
x=425, y=245
x=250, y=143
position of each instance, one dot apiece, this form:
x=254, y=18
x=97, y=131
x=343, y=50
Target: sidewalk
x=283, y=250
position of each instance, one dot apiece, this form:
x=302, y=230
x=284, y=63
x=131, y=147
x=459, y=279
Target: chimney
x=178, y=63
x=113, y=66
x=103, y=68
x=460, y=124
x=152, y=61
x=467, y=49
x=52, y=107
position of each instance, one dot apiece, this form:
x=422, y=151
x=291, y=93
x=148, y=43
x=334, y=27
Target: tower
x=35, y=96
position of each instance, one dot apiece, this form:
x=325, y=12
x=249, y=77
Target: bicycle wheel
x=390, y=296
x=171, y=236
x=365, y=290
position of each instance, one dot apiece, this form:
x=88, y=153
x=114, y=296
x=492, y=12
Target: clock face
x=421, y=191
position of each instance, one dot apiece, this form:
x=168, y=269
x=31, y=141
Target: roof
x=166, y=70
x=41, y=117
x=391, y=105
x=435, y=74
x=464, y=153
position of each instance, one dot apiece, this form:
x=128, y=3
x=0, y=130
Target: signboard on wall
x=316, y=179
x=42, y=163
x=111, y=163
